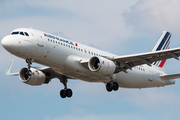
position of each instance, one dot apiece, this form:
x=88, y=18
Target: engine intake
x=102, y=65
x=37, y=77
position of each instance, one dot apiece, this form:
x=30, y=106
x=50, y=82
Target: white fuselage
x=63, y=57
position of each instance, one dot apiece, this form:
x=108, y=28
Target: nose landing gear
x=29, y=62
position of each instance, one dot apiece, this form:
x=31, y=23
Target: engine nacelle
x=102, y=65
x=37, y=77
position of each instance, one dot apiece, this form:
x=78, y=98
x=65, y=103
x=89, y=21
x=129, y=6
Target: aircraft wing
x=8, y=71
x=129, y=61
x=50, y=73
x=46, y=70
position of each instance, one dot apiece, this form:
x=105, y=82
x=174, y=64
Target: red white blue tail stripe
x=162, y=44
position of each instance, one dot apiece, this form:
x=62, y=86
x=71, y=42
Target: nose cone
x=6, y=43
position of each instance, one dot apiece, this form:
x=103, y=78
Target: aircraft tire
x=69, y=93
x=115, y=86
x=108, y=87
x=63, y=93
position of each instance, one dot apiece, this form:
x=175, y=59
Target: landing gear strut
x=112, y=85
x=29, y=62
x=65, y=92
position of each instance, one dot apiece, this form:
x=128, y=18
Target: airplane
x=65, y=59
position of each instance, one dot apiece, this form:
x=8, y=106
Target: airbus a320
x=65, y=59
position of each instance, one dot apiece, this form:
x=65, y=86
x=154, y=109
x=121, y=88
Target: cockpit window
x=21, y=33
x=14, y=33
x=26, y=34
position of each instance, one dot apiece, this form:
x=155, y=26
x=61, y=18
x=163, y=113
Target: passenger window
x=26, y=34
x=21, y=33
x=14, y=33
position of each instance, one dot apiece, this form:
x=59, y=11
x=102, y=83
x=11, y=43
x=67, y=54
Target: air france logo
x=60, y=39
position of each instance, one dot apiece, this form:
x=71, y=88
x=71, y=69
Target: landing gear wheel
x=69, y=92
x=63, y=93
x=115, y=86
x=108, y=87
x=112, y=86
x=66, y=92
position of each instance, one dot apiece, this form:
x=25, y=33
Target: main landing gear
x=65, y=92
x=29, y=62
x=112, y=85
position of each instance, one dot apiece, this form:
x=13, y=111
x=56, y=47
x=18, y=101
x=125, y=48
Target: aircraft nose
x=6, y=42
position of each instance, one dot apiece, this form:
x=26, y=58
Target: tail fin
x=162, y=44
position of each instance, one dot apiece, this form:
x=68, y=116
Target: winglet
x=8, y=71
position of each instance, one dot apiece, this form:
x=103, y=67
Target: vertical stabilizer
x=162, y=44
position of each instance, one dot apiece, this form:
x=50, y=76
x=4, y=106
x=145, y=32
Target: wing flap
x=170, y=77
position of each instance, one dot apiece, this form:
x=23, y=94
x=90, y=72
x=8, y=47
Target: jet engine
x=37, y=77
x=102, y=65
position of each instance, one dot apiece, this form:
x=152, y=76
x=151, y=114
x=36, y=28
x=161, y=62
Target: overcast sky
x=117, y=26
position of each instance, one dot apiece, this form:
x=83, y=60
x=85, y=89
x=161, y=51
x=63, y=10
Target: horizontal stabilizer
x=8, y=71
x=170, y=77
